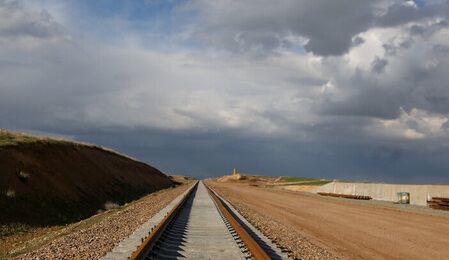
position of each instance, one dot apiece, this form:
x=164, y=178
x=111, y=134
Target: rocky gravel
x=299, y=246
x=95, y=241
x=100, y=238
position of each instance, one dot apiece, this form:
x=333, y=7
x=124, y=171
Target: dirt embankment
x=247, y=178
x=47, y=183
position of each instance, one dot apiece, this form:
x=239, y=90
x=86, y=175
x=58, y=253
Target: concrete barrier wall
x=419, y=194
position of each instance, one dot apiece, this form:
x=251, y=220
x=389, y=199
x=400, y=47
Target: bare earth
x=344, y=229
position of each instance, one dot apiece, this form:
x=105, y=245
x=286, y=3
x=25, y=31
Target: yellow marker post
x=235, y=171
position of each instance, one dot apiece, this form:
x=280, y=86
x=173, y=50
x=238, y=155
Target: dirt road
x=348, y=230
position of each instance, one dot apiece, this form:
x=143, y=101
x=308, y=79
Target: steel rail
x=248, y=240
x=150, y=240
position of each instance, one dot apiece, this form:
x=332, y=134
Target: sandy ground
x=349, y=230
x=296, y=188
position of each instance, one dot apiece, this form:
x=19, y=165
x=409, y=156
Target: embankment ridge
x=46, y=181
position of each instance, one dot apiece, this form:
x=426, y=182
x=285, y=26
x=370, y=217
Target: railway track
x=201, y=225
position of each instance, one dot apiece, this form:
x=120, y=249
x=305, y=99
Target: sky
x=351, y=90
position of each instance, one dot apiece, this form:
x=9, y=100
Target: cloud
x=340, y=90
x=414, y=125
x=390, y=76
x=22, y=29
x=400, y=13
x=323, y=28
x=389, y=152
x=378, y=65
x=66, y=85
x=239, y=28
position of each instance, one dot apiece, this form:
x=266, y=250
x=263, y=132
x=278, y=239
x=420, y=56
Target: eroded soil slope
x=46, y=183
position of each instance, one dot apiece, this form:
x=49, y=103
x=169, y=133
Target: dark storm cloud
x=417, y=30
x=445, y=126
x=418, y=87
x=400, y=13
x=329, y=26
x=367, y=104
x=333, y=35
x=378, y=65
x=391, y=49
x=20, y=23
x=26, y=71
x=408, y=76
x=389, y=152
x=348, y=89
x=357, y=41
x=214, y=154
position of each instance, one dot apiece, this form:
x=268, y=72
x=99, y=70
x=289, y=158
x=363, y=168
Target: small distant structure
x=235, y=171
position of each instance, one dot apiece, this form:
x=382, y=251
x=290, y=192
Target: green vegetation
x=11, y=139
x=20, y=238
x=301, y=181
x=296, y=179
x=314, y=183
x=14, y=229
x=8, y=138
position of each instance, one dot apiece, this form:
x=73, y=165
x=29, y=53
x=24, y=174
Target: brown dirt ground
x=247, y=178
x=297, y=188
x=349, y=230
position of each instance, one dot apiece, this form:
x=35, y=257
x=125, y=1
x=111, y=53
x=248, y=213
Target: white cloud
x=411, y=3
x=315, y=72
x=182, y=89
x=416, y=124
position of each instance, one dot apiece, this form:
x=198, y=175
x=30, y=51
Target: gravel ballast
x=100, y=238
x=298, y=246
x=95, y=241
